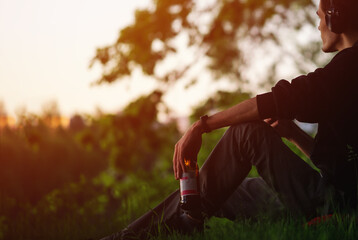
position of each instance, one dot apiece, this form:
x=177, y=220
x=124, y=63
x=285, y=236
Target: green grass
x=84, y=225
x=215, y=229
x=221, y=228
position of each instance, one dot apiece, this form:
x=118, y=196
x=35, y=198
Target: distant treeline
x=88, y=170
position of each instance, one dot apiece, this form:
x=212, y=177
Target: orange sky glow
x=45, y=50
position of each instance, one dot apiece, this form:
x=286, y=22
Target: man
x=326, y=96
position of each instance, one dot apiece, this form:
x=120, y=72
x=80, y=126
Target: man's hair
x=348, y=10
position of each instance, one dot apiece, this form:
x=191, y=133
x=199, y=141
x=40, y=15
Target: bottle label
x=188, y=184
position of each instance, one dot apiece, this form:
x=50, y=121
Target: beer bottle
x=189, y=187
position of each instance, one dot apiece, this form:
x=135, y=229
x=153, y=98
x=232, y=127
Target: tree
x=222, y=37
x=134, y=139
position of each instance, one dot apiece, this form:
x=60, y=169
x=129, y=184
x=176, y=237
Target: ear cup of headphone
x=329, y=21
x=334, y=21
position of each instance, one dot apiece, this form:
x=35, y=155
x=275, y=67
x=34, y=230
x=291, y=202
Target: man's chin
x=329, y=50
x=330, y=45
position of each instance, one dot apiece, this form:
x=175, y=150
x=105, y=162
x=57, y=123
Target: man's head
x=337, y=18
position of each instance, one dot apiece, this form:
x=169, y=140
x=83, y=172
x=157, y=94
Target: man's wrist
x=204, y=124
x=196, y=127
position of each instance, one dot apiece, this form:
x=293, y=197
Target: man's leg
x=299, y=187
x=252, y=199
x=153, y=221
x=242, y=146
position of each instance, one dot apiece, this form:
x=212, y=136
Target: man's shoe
x=187, y=223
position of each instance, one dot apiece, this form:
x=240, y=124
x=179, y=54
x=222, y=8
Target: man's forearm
x=243, y=112
x=247, y=111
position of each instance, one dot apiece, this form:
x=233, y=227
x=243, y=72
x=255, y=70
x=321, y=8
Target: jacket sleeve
x=315, y=96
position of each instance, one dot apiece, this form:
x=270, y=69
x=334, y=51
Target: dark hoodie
x=328, y=96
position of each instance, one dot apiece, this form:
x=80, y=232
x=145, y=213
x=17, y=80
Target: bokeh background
x=95, y=94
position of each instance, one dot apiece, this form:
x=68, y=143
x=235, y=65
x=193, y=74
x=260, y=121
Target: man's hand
x=187, y=147
x=285, y=128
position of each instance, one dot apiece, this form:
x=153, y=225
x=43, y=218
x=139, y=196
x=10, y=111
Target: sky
x=46, y=47
x=45, y=50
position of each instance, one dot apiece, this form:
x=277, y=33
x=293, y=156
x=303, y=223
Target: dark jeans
x=287, y=183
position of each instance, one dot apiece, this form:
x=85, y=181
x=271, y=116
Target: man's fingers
x=269, y=120
x=181, y=167
x=274, y=124
x=175, y=162
x=179, y=164
x=177, y=168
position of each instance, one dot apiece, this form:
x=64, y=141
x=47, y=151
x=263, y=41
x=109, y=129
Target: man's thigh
x=299, y=187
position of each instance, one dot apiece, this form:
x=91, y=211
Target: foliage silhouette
x=99, y=167
x=225, y=43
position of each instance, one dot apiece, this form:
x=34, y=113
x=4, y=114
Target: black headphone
x=334, y=20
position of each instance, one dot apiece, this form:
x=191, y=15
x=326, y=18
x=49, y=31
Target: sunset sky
x=45, y=50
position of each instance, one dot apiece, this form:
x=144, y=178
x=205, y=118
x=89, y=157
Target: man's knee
x=250, y=129
x=253, y=137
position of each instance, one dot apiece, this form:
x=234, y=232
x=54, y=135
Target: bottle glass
x=189, y=187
